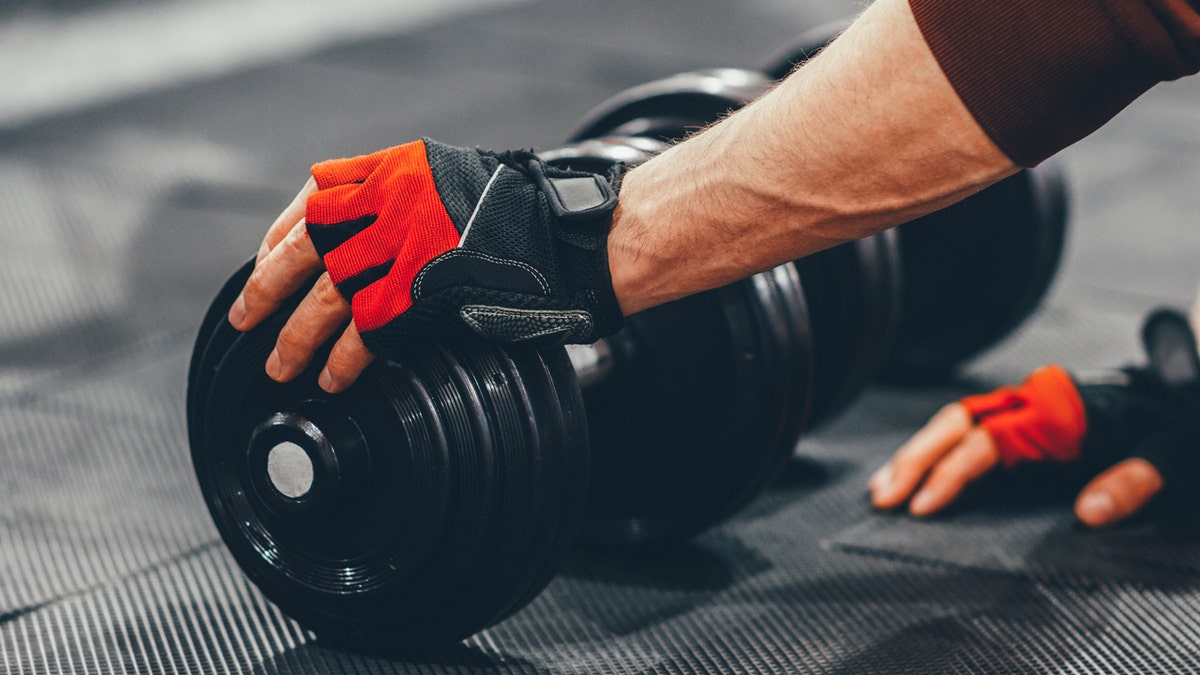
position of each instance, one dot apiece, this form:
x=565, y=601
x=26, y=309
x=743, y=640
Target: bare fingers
x=347, y=360
x=1118, y=493
x=284, y=270
x=318, y=316
x=893, y=484
x=968, y=461
x=286, y=220
x=286, y=261
x=315, y=320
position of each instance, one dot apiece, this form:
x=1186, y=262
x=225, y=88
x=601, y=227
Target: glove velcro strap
x=1043, y=419
x=583, y=202
x=533, y=262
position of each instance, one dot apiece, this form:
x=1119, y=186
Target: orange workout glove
x=1042, y=419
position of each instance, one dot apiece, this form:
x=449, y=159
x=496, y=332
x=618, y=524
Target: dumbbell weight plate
x=671, y=108
x=853, y=293
x=791, y=325
x=707, y=407
x=974, y=271
x=461, y=481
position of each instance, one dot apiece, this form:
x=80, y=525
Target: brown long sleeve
x=1039, y=75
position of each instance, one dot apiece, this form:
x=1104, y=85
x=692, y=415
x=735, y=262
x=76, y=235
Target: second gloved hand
x=426, y=239
x=1134, y=431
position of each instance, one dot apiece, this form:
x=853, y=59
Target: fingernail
x=1097, y=508
x=262, y=253
x=325, y=381
x=274, y=366
x=237, y=313
x=882, y=478
x=921, y=504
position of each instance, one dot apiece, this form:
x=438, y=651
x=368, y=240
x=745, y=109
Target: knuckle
x=327, y=294
x=981, y=439
x=255, y=285
x=291, y=341
x=292, y=241
x=343, y=357
x=296, y=242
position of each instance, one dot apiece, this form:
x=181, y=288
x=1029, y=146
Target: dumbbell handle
x=593, y=363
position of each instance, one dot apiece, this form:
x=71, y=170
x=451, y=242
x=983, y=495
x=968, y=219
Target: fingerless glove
x=1043, y=419
x=427, y=239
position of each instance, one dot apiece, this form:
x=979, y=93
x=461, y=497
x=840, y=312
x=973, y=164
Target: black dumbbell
x=439, y=494
x=854, y=301
x=971, y=273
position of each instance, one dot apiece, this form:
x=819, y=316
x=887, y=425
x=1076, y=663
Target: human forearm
x=866, y=136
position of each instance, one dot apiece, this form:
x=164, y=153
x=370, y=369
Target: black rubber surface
x=119, y=224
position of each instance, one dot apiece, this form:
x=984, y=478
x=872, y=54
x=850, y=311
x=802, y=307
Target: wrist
x=631, y=266
x=667, y=223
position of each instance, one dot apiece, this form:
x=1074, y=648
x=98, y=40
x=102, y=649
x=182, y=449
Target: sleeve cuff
x=1039, y=75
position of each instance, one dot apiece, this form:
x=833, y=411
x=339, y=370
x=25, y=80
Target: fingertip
x=1118, y=492
x=923, y=504
x=895, y=485
x=237, y=313
x=879, y=502
x=325, y=382
x=888, y=497
x=881, y=478
x=332, y=384
x=274, y=366
x=348, y=358
x=1096, y=508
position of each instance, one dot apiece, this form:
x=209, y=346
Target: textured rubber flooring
x=121, y=221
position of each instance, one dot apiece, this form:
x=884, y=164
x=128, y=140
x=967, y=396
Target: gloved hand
x=1041, y=420
x=426, y=239
x=1135, y=430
